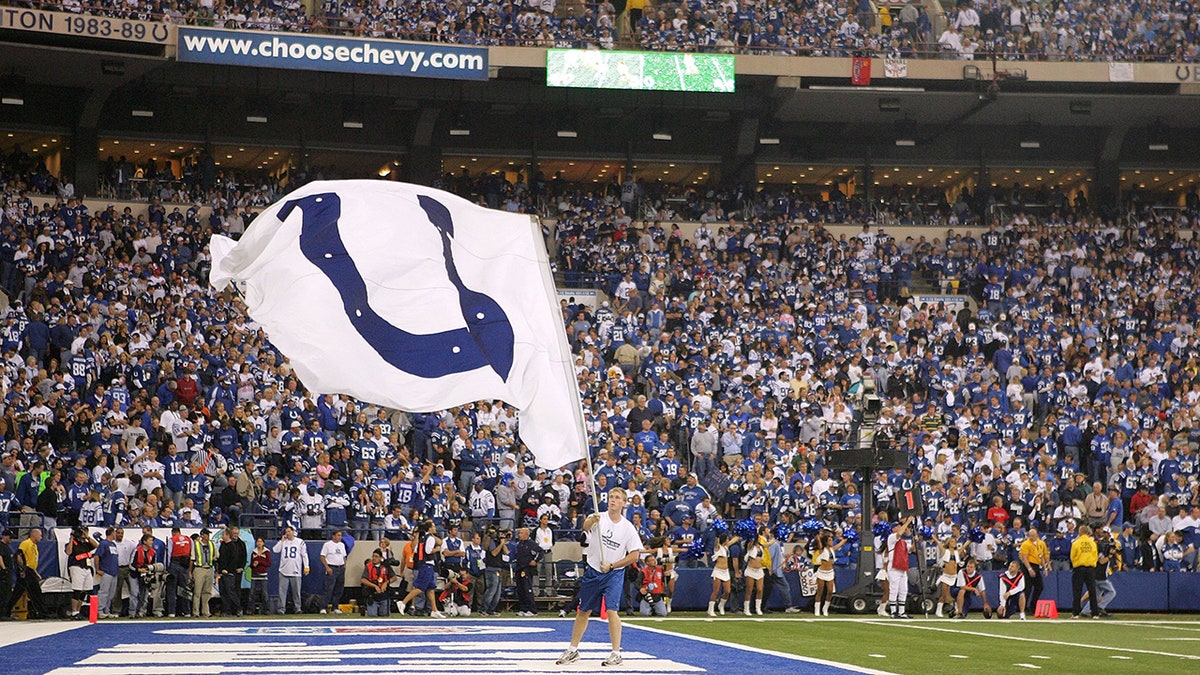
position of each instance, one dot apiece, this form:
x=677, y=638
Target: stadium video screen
x=647, y=71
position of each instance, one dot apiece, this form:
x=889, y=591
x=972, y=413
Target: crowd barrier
x=1136, y=591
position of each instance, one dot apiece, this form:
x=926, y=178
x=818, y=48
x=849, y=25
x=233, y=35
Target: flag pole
x=568, y=367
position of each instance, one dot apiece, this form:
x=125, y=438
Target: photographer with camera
x=1106, y=551
x=652, y=588
x=142, y=576
x=376, y=577
x=495, y=546
x=80, y=548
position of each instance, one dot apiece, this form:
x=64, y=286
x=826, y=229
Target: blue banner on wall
x=334, y=54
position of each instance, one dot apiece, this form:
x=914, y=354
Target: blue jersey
x=409, y=495
x=175, y=472
x=8, y=502
x=121, y=396
x=196, y=488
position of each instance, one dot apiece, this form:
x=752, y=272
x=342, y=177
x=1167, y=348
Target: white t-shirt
x=620, y=539
x=334, y=553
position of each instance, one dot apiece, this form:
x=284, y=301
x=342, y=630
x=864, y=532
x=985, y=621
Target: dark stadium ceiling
x=814, y=176
x=514, y=117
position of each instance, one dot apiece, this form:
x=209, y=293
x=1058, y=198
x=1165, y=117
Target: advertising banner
x=333, y=54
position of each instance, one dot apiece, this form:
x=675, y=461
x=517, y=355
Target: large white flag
x=412, y=298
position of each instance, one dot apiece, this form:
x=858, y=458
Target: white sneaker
x=337, y=611
x=324, y=611
x=882, y=610
x=400, y=606
x=437, y=615
x=1022, y=616
x=614, y=659
x=712, y=612
x=570, y=655
x=792, y=610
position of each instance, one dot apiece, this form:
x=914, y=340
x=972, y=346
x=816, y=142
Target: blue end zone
x=408, y=646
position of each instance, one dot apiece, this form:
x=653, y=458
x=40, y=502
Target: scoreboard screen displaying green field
x=647, y=71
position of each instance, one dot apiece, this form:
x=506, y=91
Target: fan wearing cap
x=336, y=503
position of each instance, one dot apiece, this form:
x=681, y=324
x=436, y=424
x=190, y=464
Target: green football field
x=1144, y=644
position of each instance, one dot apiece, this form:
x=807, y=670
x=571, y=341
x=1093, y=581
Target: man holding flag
x=612, y=545
x=412, y=298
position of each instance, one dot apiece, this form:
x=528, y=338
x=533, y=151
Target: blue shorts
x=426, y=578
x=596, y=585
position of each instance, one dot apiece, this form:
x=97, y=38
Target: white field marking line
x=959, y=656
x=17, y=632
x=1195, y=639
x=1187, y=630
x=1027, y=665
x=1123, y=658
x=877, y=656
x=768, y=652
x=1035, y=656
x=1038, y=640
x=1176, y=625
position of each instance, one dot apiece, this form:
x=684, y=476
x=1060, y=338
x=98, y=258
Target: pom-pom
x=720, y=526
x=811, y=527
x=850, y=534
x=694, y=551
x=783, y=532
x=882, y=528
x=746, y=529
x=977, y=535
x=926, y=531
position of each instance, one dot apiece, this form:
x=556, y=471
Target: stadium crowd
x=727, y=367
x=1016, y=29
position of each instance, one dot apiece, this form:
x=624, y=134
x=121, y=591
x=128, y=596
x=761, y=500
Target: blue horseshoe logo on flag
x=487, y=339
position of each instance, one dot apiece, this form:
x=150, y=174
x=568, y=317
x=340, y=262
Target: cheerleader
x=950, y=557
x=755, y=574
x=822, y=559
x=721, y=575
